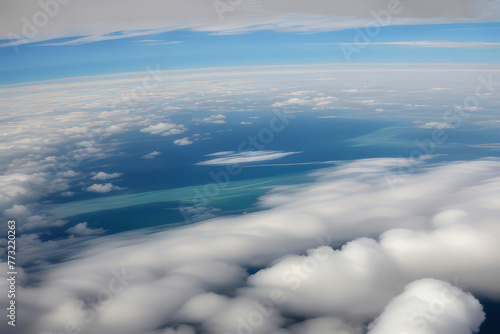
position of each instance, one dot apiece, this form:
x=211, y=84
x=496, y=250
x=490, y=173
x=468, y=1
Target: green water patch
x=211, y=194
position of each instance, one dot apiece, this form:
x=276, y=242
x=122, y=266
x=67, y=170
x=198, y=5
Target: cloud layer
x=341, y=251
x=93, y=21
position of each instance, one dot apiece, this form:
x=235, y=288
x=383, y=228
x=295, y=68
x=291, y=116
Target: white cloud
x=436, y=125
x=318, y=101
x=445, y=44
x=433, y=307
x=151, y=155
x=165, y=129
x=325, y=325
x=246, y=123
x=234, y=158
x=214, y=119
x=419, y=229
x=183, y=141
x=39, y=222
x=79, y=19
x=69, y=173
x=82, y=229
x=336, y=252
x=102, y=188
x=17, y=211
x=105, y=176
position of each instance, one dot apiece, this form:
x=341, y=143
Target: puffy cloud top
x=337, y=253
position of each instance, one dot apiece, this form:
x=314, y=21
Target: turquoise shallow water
x=230, y=193
x=165, y=207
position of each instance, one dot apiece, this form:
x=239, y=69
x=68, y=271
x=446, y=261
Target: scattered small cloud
x=102, y=188
x=183, y=141
x=302, y=92
x=165, y=129
x=151, y=155
x=69, y=173
x=246, y=123
x=436, y=125
x=105, y=176
x=214, y=119
x=318, y=101
x=83, y=230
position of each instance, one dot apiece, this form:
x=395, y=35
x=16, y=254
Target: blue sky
x=185, y=48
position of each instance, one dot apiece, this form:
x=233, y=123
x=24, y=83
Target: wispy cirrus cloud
x=79, y=18
x=435, y=44
x=453, y=45
x=234, y=158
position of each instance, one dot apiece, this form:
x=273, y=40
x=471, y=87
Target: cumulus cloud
x=102, y=188
x=165, y=129
x=183, y=141
x=348, y=217
x=430, y=306
x=38, y=222
x=334, y=253
x=151, y=155
x=325, y=325
x=234, y=158
x=105, y=176
x=82, y=229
